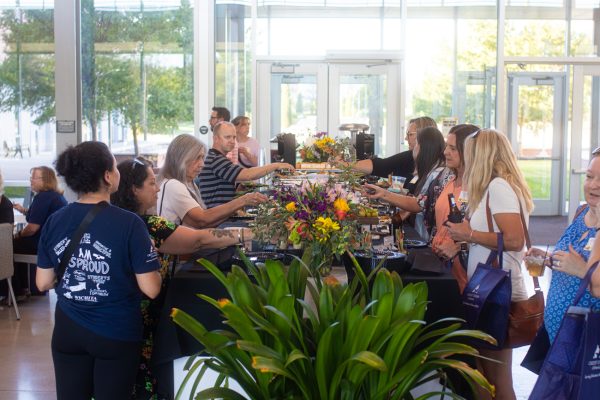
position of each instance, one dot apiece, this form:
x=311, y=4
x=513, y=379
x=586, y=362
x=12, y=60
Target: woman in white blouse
x=179, y=199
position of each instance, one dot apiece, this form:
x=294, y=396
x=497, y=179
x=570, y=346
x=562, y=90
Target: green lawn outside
x=537, y=175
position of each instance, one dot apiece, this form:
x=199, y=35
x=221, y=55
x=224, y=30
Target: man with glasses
x=218, y=114
x=219, y=176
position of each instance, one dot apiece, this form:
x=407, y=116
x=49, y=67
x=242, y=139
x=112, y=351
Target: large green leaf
x=326, y=360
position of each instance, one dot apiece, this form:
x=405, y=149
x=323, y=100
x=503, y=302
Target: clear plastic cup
x=535, y=265
x=397, y=184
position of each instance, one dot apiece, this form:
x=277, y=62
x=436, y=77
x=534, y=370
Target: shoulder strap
x=580, y=209
x=488, y=213
x=536, y=282
x=76, y=238
x=162, y=197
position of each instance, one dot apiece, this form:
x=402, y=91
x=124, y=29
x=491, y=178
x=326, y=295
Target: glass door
x=366, y=94
x=536, y=128
x=291, y=97
x=585, y=129
x=312, y=96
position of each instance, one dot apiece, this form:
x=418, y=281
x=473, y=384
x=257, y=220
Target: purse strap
x=585, y=282
x=162, y=198
x=536, y=281
x=76, y=238
x=498, y=253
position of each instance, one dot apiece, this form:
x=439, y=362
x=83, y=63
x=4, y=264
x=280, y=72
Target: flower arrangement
x=320, y=148
x=313, y=216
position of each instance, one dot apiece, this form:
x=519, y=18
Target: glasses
x=596, y=152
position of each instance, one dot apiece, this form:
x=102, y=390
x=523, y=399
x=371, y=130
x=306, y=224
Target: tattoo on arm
x=221, y=233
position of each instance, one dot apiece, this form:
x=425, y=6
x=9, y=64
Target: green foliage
x=351, y=342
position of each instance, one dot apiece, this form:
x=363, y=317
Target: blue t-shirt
x=563, y=287
x=99, y=290
x=43, y=205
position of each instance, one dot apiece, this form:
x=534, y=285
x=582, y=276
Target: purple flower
x=302, y=214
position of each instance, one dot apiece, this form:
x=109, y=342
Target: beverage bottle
x=398, y=231
x=456, y=216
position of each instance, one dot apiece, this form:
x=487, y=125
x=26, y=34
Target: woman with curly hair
x=138, y=193
x=98, y=324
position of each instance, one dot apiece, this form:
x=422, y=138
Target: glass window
x=233, y=58
x=450, y=70
x=26, y=86
x=137, y=73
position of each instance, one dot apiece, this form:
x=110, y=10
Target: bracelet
x=471, y=236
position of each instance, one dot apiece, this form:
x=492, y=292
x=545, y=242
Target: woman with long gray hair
x=179, y=199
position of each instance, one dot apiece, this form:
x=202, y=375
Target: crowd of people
x=121, y=275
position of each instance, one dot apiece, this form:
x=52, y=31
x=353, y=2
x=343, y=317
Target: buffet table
x=172, y=342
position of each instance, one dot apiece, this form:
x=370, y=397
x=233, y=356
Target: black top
x=401, y=164
x=6, y=211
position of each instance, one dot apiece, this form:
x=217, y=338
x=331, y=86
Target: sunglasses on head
x=135, y=162
x=596, y=152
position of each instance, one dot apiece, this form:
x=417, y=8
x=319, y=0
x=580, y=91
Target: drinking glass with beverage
x=535, y=265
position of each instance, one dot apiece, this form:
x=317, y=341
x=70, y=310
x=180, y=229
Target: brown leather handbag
x=527, y=316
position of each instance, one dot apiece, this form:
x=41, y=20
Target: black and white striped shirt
x=217, y=179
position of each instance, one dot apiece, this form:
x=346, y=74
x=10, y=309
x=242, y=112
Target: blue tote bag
x=571, y=369
x=486, y=299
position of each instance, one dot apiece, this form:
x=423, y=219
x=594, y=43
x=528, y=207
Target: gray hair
x=182, y=150
x=220, y=125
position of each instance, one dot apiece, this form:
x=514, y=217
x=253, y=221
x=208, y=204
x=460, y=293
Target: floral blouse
x=160, y=229
x=435, y=182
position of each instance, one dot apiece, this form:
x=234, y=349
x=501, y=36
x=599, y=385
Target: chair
x=29, y=259
x=7, y=268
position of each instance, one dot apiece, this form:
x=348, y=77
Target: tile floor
x=27, y=372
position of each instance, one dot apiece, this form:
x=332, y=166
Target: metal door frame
x=559, y=122
x=327, y=102
x=579, y=74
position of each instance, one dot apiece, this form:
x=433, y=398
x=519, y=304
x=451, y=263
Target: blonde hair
x=489, y=155
x=49, y=181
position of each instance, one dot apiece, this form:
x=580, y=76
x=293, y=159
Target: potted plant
x=358, y=341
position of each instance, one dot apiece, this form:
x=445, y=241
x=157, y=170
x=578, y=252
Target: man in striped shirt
x=219, y=176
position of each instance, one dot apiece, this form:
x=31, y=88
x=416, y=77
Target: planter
x=392, y=261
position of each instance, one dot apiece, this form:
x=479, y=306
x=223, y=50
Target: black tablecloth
x=172, y=342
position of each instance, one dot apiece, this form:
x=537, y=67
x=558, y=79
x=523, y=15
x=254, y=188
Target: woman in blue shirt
x=98, y=328
x=571, y=253
x=48, y=199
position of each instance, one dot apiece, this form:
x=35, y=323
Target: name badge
x=414, y=179
x=589, y=244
